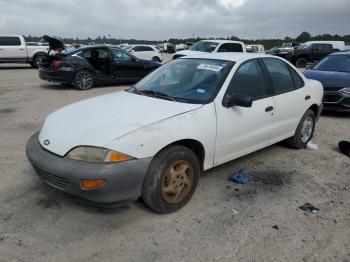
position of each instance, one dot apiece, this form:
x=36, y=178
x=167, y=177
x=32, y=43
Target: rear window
x=10, y=41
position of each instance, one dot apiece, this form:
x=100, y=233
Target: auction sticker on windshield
x=214, y=68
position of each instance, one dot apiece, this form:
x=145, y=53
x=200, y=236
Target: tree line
x=268, y=43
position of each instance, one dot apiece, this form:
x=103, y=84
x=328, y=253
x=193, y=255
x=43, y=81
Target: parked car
x=212, y=46
x=272, y=51
x=86, y=66
x=334, y=73
x=145, y=52
x=309, y=53
x=120, y=146
x=255, y=49
x=13, y=49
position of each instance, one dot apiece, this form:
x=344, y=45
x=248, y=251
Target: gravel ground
x=223, y=221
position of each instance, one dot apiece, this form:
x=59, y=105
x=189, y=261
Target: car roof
x=220, y=41
x=341, y=53
x=234, y=57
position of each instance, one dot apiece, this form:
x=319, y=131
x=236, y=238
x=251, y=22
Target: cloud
x=159, y=19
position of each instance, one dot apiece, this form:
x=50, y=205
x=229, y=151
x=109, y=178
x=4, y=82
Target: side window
x=10, y=41
x=236, y=48
x=137, y=49
x=224, y=48
x=249, y=80
x=327, y=47
x=230, y=47
x=279, y=72
x=147, y=48
x=121, y=56
x=298, y=81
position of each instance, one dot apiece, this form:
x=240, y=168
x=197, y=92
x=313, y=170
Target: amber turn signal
x=91, y=183
x=114, y=156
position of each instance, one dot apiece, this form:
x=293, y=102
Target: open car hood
x=55, y=43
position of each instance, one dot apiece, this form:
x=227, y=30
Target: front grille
x=56, y=181
x=332, y=98
x=332, y=89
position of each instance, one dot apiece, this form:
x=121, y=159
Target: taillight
x=56, y=64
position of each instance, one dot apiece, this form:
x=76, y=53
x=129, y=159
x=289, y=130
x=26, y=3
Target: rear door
x=12, y=49
x=243, y=130
x=290, y=98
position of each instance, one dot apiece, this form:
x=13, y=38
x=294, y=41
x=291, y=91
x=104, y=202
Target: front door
x=125, y=66
x=243, y=130
x=11, y=49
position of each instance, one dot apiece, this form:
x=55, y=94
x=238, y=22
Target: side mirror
x=310, y=66
x=236, y=99
x=132, y=51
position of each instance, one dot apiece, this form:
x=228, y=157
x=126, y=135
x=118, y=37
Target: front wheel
x=304, y=132
x=83, y=80
x=301, y=63
x=171, y=179
x=156, y=59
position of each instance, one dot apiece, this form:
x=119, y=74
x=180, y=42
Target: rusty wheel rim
x=177, y=181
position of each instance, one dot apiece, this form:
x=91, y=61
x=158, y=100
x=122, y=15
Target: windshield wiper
x=155, y=94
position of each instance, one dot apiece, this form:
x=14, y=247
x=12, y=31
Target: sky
x=164, y=19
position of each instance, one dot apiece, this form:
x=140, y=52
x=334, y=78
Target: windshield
x=334, y=63
x=195, y=81
x=303, y=46
x=204, y=46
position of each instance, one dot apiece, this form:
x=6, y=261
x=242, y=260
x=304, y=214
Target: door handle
x=307, y=97
x=1, y=49
x=21, y=49
x=269, y=109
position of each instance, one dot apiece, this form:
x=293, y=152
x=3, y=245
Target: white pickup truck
x=13, y=49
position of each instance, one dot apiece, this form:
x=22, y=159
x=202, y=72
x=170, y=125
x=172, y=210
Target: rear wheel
x=37, y=60
x=304, y=132
x=83, y=80
x=156, y=59
x=301, y=62
x=171, y=179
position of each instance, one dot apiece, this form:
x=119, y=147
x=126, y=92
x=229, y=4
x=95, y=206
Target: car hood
x=189, y=52
x=55, y=43
x=329, y=79
x=99, y=120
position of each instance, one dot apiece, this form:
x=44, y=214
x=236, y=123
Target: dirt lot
x=38, y=223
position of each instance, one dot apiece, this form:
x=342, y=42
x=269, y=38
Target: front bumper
x=336, y=101
x=65, y=77
x=123, y=180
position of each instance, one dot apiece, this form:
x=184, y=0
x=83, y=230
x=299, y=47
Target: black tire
x=156, y=59
x=156, y=182
x=37, y=60
x=301, y=62
x=83, y=80
x=301, y=136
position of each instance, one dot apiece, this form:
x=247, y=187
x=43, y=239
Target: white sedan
x=154, y=139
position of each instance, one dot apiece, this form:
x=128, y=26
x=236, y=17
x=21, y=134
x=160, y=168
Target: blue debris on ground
x=240, y=177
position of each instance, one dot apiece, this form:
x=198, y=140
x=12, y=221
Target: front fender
x=199, y=125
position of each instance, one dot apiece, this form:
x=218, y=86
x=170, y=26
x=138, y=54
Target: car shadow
x=16, y=67
x=59, y=87
x=336, y=114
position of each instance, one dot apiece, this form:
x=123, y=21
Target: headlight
x=97, y=155
x=346, y=90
